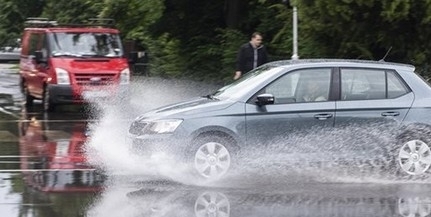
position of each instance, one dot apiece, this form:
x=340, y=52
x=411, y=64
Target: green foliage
x=78, y=11
x=166, y=57
x=366, y=29
x=13, y=13
x=200, y=39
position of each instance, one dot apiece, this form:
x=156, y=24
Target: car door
x=371, y=97
x=372, y=104
x=291, y=113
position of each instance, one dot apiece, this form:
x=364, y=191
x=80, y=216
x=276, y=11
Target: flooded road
x=74, y=162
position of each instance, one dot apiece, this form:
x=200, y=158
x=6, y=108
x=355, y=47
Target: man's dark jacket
x=245, y=58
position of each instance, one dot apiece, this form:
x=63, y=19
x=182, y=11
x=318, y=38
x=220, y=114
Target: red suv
x=64, y=64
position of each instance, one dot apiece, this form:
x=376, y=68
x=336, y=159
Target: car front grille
x=136, y=128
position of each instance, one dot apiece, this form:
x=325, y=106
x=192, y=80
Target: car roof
x=343, y=63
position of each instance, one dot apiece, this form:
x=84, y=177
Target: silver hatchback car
x=283, y=98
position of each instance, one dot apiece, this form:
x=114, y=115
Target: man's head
x=256, y=39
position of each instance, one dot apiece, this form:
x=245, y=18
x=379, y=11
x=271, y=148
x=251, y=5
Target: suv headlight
x=62, y=76
x=155, y=127
x=125, y=76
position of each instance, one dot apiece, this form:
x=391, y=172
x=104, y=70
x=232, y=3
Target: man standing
x=250, y=55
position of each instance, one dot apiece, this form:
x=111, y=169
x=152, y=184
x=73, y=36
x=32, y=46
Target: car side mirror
x=265, y=99
x=39, y=57
x=133, y=57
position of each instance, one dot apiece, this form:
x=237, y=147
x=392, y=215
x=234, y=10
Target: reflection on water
x=297, y=200
x=44, y=170
x=53, y=156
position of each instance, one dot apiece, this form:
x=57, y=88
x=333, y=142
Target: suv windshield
x=85, y=44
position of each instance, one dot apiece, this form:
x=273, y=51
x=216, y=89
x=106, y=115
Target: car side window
x=363, y=84
x=307, y=85
x=366, y=84
x=396, y=87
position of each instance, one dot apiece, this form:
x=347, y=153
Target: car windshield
x=246, y=82
x=86, y=44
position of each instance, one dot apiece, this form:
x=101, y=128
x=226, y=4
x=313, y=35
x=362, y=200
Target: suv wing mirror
x=133, y=57
x=39, y=57
x=265, y=99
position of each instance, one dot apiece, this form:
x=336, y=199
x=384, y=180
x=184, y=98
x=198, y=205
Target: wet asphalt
x=48, y=168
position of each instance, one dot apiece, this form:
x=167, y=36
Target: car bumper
x=149, y=144
x=64, y=94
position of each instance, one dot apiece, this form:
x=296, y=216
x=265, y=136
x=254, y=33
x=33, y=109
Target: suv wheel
x=28, y=98
x=47, y=104
x=212, y=157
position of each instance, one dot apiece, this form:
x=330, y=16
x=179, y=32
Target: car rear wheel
x=413, y=154
x=212, y=157
x=414, y=157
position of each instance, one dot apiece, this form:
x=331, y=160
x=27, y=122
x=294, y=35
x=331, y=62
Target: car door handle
x=386, y=114
x=323, y=116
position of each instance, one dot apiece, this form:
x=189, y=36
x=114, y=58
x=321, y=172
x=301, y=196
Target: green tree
x=13, y=13
x=76, y=11
x=367, y=29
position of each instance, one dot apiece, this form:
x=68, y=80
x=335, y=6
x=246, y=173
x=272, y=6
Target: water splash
x=353, y=154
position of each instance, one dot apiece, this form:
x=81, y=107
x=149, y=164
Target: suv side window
x=306, y=85
x=366, y=84
x=34, y=42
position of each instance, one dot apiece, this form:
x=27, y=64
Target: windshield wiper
x=66, y=55
x=211, y=96
x=99, y=55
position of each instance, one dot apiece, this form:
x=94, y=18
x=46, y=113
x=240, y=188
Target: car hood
x=187, y=108
x=90, y=64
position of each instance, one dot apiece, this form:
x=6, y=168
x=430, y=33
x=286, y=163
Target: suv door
x=293, y=111
x=372, y=97
x=33, y=73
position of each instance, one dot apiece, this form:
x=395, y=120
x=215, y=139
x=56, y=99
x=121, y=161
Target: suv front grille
x=87, y=79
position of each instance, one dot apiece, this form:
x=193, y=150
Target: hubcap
x=415, y=157
x=212, y=204
x=212, y=160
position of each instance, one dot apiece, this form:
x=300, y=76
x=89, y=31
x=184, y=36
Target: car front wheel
x=212, y=157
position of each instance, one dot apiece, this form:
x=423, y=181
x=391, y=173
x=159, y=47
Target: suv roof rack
x=41, y=22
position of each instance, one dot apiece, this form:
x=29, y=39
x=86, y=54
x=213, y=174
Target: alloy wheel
x=212, y=204
x=212, y=160
x=414, y=157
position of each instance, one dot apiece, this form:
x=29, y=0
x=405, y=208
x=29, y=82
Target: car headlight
x=125, y=76
x=62, y=76
x=155, y=127
x=164, y=126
